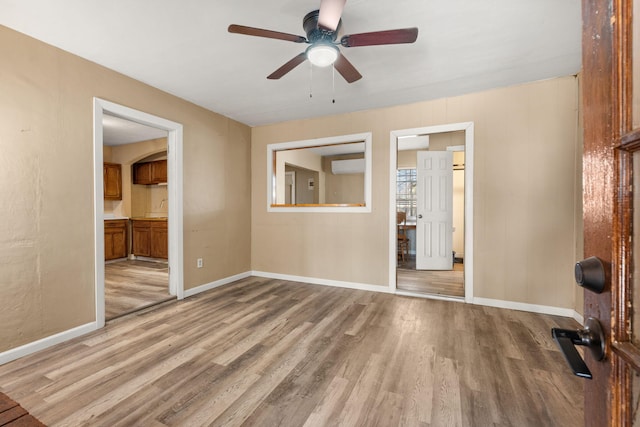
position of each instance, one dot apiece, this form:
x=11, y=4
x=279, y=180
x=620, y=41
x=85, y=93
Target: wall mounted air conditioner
x=347, y=166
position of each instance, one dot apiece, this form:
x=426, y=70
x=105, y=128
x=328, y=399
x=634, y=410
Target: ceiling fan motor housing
x=315, y=34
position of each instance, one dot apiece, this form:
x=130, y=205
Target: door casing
x=174, y=171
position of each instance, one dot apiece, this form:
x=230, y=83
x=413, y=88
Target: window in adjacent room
x=406, y=199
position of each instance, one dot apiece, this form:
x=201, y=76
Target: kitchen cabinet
x=115, y=239
x=150, y=172
x=112, y=181
x=150, y=237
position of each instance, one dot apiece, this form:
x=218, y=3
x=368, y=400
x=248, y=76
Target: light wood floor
x=132, y=285
x=263, y=352
x=448, y=283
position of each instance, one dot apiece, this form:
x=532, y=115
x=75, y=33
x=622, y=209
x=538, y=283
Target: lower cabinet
x=150, y=238
x=115, y=239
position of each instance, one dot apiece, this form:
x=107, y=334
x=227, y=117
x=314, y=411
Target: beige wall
x=345, y=188
x=407, y=159
x=525, y=182
x=46, y=168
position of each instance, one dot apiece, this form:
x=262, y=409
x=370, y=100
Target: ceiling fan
x=322, y=28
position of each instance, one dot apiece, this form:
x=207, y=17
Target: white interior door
x=434, y=222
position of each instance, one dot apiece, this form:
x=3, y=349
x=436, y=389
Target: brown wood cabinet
x=150, y=238
x=115, y=239
x=112, y=186
x=150, y=172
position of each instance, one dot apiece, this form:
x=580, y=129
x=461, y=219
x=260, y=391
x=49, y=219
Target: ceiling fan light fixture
x=322, y=55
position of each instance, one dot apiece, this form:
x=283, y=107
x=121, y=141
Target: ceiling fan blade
x=330, y=13
x=259, y=32
x=293, y=63
x=346, y=69
x=404, y=35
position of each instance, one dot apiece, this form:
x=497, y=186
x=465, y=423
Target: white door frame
x=174, y=172
x=467, y=127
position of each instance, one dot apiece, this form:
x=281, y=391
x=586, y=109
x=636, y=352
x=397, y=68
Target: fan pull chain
x=333, y=82
x=310, y=80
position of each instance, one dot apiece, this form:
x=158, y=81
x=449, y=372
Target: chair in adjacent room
x=403, y=239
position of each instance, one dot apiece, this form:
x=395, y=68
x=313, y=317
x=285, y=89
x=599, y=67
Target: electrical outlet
x=199, y=263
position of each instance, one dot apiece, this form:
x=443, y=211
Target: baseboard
x=323, y=282
x=578, y=317
x=41, y=344
x=533, y=308
x=217, y=283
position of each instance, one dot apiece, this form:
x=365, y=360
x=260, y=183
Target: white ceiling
x=183, y=47
x=118, y=131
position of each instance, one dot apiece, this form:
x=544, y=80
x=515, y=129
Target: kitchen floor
x=132, y=285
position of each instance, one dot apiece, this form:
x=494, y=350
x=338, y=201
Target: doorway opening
x=141, y=277
x=437, y=260
x=135, y=218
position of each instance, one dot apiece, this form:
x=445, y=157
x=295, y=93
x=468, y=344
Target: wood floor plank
x=447, y=405
x=328, y=407
x=361, y=400
x=418, y=384
x=271, y=352
x=387, y=410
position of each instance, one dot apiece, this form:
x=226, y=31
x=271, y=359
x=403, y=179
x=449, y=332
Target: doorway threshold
x=428, y=296
x=139, y=310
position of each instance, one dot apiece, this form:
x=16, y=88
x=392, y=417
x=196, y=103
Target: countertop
x=142, y=218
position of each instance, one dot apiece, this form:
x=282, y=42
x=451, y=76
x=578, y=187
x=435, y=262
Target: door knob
x=591, y=274
x=592, y=336
x=419, y=216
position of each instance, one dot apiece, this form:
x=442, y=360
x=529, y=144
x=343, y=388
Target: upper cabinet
x=150, y=172
x=112, y=181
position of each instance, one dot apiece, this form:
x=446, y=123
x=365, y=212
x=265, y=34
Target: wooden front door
x=611, y=117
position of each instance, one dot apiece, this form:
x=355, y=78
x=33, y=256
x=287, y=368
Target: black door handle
x=592, y=336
